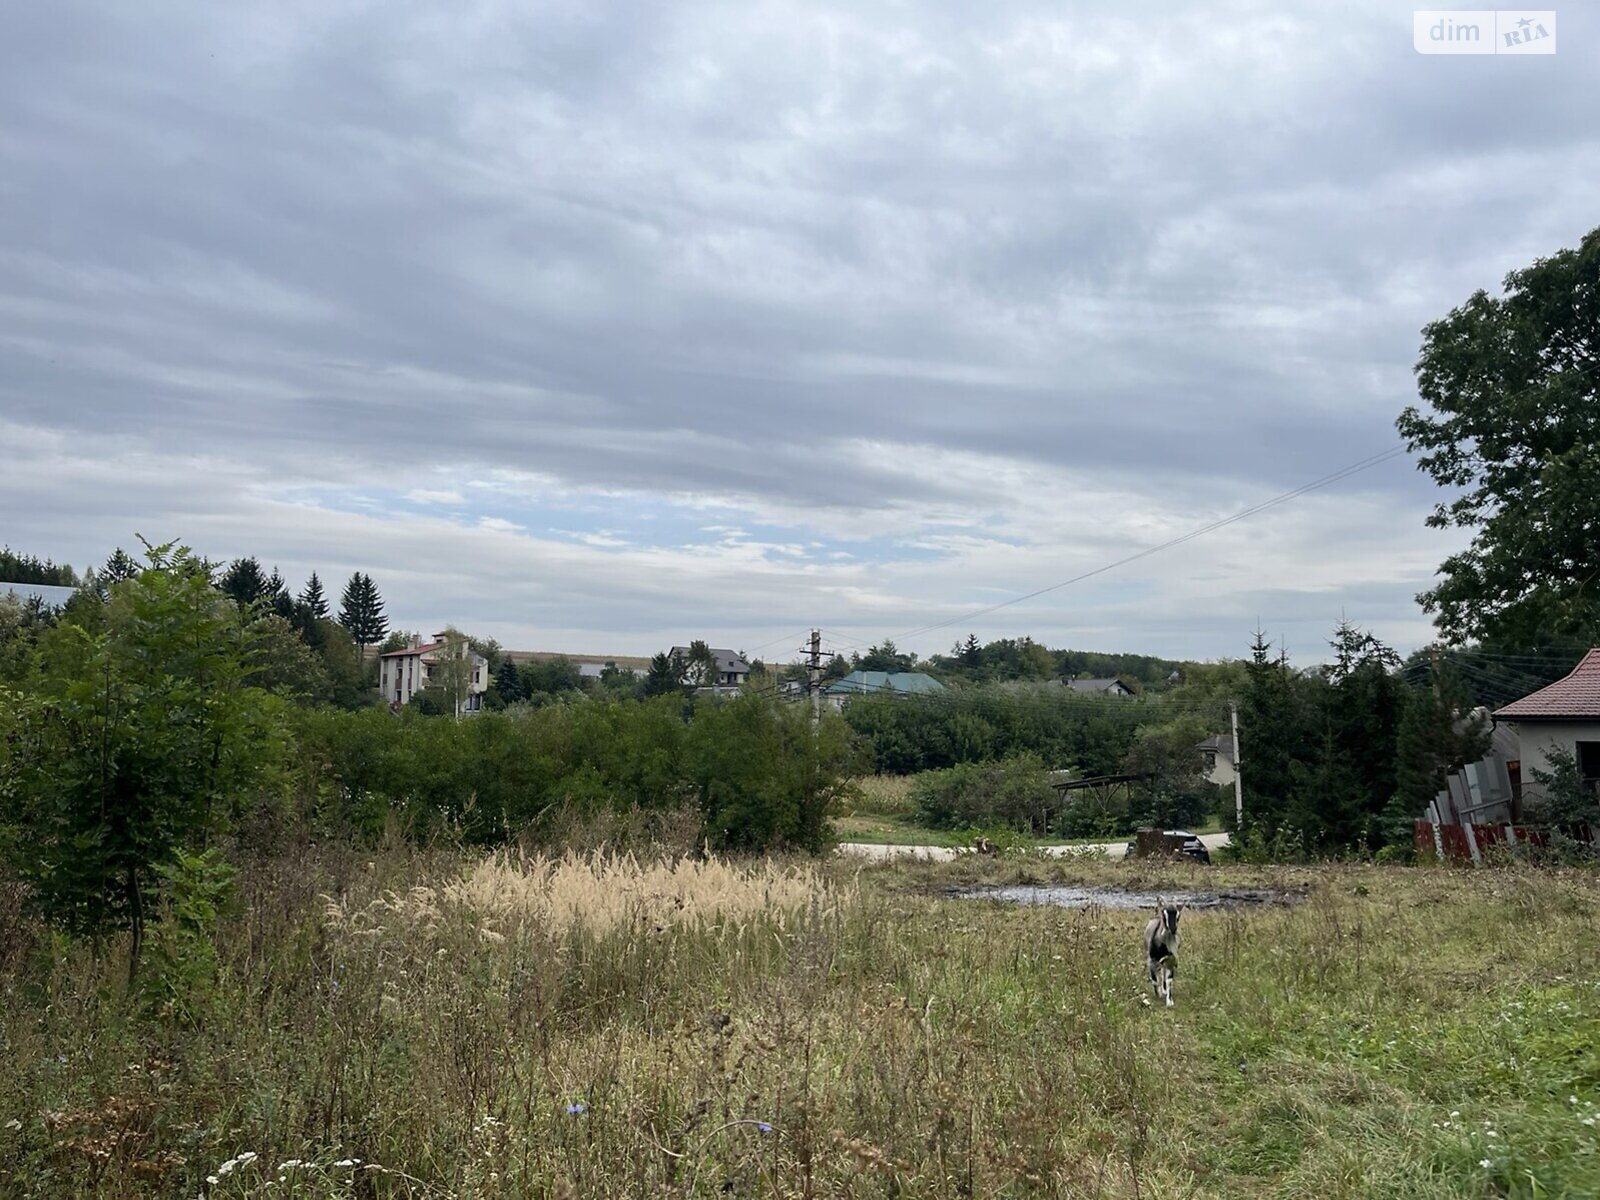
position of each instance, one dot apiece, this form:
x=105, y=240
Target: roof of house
x=1578, y=695
x=896, y=681
x=1096, y=685
x=1220, y=742
x=727, y=660
x=408, y=651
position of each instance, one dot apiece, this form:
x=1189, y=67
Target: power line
x=1331, y=478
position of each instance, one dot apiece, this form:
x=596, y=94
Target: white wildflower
x=13, y=1124
x=1485, y=1163
x=290, y=1163
x=1455, y=1112
x=347, y=1162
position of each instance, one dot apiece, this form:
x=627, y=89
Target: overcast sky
x=602, y=327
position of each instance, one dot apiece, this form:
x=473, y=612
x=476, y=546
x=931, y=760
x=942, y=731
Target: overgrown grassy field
x=408, y=1024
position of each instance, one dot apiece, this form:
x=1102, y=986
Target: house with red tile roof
x=1565, y=715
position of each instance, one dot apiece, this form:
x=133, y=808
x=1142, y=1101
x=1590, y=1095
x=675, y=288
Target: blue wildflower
x=574, y=1109
x=763, y=1127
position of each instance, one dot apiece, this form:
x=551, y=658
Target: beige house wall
x=1536, y=739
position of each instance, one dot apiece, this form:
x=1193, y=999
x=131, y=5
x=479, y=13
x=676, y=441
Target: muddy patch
x=1120, y=898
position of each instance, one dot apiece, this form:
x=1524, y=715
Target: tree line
x=159, y=713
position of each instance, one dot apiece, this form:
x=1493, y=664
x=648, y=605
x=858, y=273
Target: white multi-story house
x=403, y=673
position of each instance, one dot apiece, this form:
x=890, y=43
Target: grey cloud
x=699, y=250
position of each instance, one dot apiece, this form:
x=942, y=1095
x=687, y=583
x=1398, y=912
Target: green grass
x=1402, y=1032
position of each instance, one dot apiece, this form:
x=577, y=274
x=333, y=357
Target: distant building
x=403, y=673
x=1217, y=756
x=732, y=670
x=595, y=670
x=899, y=683
x=1101, y=687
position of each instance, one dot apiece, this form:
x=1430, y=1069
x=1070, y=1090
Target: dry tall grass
x=806, y=1031
x=598, y=894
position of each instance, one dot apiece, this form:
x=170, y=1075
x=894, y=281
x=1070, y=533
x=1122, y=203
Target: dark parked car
x=1178, y=841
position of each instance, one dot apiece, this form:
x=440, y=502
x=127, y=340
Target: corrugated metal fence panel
x=1453, y=838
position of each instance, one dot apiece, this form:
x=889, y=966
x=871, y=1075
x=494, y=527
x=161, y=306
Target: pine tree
x=361, y=611
x=663, y=676
x=312, y=599
x=508, y=682
x=121, y=565
x=244, y=582
x=970, y=652
x=276, y=594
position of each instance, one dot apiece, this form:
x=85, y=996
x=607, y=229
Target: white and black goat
x=1161, y=948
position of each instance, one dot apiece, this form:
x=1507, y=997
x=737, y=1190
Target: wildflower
x=1589, y=1121
x=574, y=1109
x=347, y=1162
x=1455, y=1112
x=13, y=1124
x=763, y=1127
x=289, y=1164
x=1572, y=1099
x=1485, y=1163
x=244, y=1159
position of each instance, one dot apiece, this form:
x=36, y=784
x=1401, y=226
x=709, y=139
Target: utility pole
x=815, y=677
x=1238, y=768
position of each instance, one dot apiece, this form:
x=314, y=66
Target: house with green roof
x=896, y=683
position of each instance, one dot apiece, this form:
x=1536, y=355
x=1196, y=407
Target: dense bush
x=982, y=724
x=1015, y=793
x=751, y=765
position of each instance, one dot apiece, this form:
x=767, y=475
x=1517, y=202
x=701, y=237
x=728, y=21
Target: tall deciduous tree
x=1511, y=389
x=131, y=746
x=699, y=666
x=361, y=611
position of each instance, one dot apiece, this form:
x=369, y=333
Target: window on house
x=1588, y=755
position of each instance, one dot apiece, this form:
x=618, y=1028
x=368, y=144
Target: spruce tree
x=312, y=599
x=508, y=682
x=276, y=594
x=361, y=611
x=663, y=676
x=244, y=582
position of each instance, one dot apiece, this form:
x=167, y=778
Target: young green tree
x=131, y=745
x=1437, y=734
x=699, y=666
x=1275, y=729
x=451, y=669
x=1512, y=428
x=280, y=662
x=663, y=677
x=886, y=657
x=361, y=612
